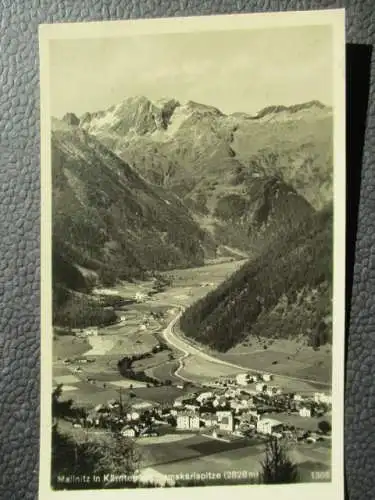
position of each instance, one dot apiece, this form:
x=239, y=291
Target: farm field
x=198, y=369
x=157, y=359
x=201, y=454
x=308, y=424
x=205, y=275
x=67, y=346
x=168, y=454
x=165, y=371
x=285, y=357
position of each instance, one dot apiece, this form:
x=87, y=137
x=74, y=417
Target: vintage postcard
x=193, y=256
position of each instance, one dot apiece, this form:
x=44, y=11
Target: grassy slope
x=283, y=293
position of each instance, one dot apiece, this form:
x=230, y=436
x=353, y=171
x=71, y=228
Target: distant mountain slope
x=189, y=147
x=109, y=220
x=217, y=163
x=286, y=292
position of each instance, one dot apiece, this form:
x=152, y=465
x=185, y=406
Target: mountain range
x=146, y=186
x=219, y=165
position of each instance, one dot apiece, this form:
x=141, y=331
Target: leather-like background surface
x=20, y=209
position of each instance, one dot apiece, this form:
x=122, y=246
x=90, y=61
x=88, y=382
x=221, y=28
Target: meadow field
x=202, y=454
x=284, y=356
x=202, y=370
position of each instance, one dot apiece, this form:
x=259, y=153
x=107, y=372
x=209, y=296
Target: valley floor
x=143, y=325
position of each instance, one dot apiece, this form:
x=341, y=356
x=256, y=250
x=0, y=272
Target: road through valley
x=178, y=342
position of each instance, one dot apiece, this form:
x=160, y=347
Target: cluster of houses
x=139, y=421
x=227, y=406
x=236, y=405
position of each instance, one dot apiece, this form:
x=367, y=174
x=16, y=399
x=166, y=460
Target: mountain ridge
x=204, y=156
x=107, y=219
x=166, y=101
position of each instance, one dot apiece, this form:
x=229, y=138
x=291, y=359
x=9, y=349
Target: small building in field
x=225, y=420
x=188, y=421
x=242, y=379
x=133, y=415
x=267, y=377
x=305, y=412
x=129, y=432
x=260, y=387
x=140, y=297
x=269, y=426
x=320, y=397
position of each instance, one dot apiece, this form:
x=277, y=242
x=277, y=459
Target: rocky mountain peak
x=71, y=119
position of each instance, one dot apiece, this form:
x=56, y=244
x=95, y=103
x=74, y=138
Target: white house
x=225, y=420
x=297, y=397
x=268, y=426
x=133, y=415
x=128, y=432
x=261, y=387
x=188, y=421
x=305, y=412
x=242, y=379
x=140, y=297
x=320, y=397
x=266, y=377
x=219, y=402
x=204, y=396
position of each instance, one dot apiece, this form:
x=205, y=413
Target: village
x=246, y=405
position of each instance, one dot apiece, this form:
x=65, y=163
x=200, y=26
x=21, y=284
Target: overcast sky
x=232, y=70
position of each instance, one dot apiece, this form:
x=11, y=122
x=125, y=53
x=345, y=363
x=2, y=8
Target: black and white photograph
x=193, y=244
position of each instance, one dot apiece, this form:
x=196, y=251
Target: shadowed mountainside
x=108, y=222
x=284, y=293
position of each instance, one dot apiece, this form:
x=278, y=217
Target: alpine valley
x=144, y=188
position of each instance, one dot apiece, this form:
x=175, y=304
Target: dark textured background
x=19, y=222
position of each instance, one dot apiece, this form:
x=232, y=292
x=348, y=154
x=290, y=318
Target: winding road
x=172, y=338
